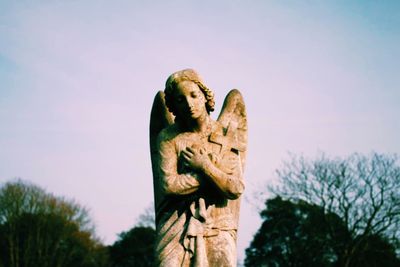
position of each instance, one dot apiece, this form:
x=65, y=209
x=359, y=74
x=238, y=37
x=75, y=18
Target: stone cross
x=229, y=140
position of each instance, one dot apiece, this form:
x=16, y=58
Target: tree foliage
x=39, y=229
x=361, y=192
x=134, y=248
x=296, y=233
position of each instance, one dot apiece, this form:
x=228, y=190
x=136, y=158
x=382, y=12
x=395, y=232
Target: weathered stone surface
x=198, y=173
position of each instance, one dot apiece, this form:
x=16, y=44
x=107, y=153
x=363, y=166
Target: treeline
x=40, y=229
x=329, y=212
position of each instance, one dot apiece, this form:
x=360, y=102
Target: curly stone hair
x=186, y=75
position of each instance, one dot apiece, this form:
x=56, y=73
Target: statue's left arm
x=226, y=174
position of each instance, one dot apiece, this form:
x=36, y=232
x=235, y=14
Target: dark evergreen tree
x=297, y=234
x=133, y=248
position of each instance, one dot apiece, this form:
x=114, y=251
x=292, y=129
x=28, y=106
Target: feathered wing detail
x=160, y=118
x=233, y=118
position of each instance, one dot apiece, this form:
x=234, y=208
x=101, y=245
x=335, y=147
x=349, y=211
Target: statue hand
x=195, y=158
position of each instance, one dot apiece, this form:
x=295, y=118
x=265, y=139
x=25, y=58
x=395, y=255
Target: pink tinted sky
x=77, y=80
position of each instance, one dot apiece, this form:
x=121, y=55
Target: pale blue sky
x=77, y=80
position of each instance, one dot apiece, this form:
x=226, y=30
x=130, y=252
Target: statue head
x=186, y=77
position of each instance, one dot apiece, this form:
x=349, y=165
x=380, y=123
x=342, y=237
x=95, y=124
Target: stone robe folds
x=196, y=220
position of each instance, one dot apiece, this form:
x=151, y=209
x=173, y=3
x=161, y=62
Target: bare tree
x=147, y=218
x=363, y=190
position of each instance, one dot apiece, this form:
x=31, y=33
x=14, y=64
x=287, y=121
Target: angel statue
x=197, y=173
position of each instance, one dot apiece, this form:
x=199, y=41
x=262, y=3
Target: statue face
x=190, y=101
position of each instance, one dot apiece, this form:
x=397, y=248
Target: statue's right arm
x=171, y=182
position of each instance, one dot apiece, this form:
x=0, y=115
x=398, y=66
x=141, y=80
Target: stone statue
x=198, y=173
